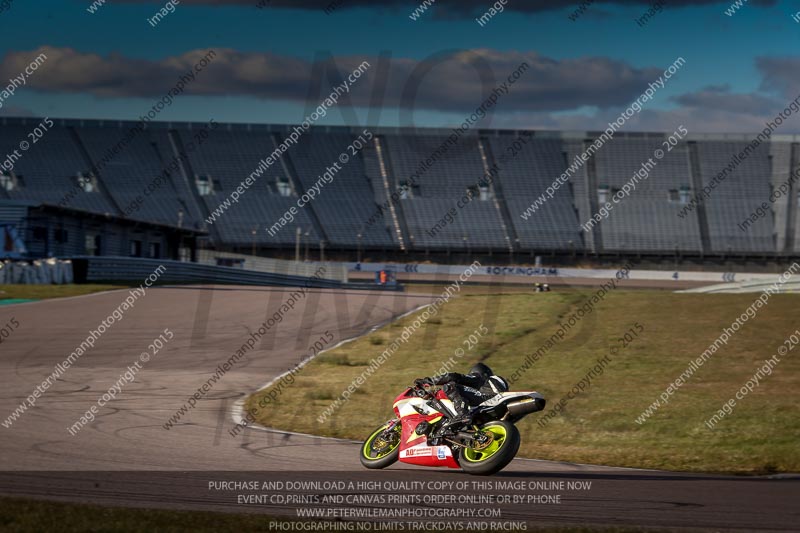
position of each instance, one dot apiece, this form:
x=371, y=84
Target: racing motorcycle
x=427, y=431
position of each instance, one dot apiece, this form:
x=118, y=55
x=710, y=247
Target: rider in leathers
x=468, y=390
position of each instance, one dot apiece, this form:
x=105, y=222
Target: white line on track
x=238, y=407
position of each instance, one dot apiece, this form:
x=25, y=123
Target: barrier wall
x=333, y=271
x=529, y=271
x=39, y=272
x=98, y=269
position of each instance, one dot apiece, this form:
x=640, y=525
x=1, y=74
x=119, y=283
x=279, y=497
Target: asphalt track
x=126, y=456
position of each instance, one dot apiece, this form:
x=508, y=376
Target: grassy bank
x=598, y=426
x=42, y=292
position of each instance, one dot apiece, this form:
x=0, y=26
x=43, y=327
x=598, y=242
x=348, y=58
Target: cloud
x=449, y=81
x=781, y=75
x=448, y=8
x=697, y=119
x=582, y=93
x=719, y=97
x=712, y=109
x=15, y=111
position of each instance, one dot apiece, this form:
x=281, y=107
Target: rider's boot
x=463, y=415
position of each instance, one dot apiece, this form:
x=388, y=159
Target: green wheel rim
x=369, y=447
x=477, y=456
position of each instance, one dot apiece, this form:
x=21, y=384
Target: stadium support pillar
x=697, y=185
x=791, y=205
x=594, y=203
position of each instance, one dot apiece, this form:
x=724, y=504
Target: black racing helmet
x=481, y=370
x=496, y=383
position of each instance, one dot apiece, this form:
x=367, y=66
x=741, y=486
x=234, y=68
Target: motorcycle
x=427, y=431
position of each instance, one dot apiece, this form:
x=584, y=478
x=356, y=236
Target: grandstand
x=63, y=170
x=647, y=221
x=737, y=199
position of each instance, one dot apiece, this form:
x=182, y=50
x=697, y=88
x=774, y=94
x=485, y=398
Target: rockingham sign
x=532, y=271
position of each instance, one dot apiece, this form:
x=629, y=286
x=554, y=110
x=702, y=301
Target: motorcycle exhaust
x=520, y=409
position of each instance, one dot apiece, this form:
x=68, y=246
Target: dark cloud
x=695, y=119
x=713, y=109
x=14, y=111
x=446, y=7
x=450, y=81
x=781, y=75
x=719, y=97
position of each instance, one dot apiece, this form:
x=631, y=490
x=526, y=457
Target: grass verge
x=598, y=426
x=42, y=292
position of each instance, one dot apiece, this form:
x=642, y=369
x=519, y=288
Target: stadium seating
x=436, y=189
x=646, y=220
x=732, y=201
x=525, y=173
x=128, y=173
x=341, y=204
x=227, y=159
x=49, y=169
x=406, y=170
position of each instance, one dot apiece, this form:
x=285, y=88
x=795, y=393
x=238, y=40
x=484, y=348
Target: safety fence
x=38, y=272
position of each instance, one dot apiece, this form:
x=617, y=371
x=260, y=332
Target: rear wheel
x=382, y=448
x=500, y=444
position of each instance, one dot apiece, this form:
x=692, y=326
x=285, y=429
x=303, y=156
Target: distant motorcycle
x=423, y=433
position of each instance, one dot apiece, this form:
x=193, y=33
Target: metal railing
x=97, y=269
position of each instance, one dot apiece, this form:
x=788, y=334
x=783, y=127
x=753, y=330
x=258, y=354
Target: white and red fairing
x=414, y=448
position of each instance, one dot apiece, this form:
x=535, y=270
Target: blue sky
x=740, y=70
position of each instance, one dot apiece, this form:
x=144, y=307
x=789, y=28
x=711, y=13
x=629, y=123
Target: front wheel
x=382, y=448
x=500, y=444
